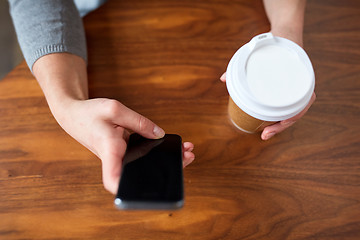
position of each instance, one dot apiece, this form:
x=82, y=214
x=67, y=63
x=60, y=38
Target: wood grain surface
x=164, y=59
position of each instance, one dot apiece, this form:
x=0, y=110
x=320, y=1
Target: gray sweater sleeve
x=48, y=26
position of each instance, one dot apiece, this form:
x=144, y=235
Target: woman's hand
x=278, y=127
x=287, y=20
x=101, y=125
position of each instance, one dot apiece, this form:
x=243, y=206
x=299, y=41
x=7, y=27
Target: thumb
x=127, y=118
x=223, y=77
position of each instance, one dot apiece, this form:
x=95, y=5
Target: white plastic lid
x=270, y=78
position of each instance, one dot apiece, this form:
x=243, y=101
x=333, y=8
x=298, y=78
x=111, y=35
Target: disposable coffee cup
x=269, y=79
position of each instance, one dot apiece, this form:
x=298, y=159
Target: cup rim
x=240, y=92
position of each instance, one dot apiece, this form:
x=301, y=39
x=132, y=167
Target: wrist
x=62, y=109
x=61, y=101
x=286, y=18
x=63, y=79
x=62, y=75
x=293, y=34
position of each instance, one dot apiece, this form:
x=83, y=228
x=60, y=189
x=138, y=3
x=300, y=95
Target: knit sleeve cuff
x=55, y=48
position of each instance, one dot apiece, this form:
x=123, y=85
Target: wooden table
x=164, y=59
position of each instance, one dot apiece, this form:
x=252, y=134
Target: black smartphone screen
x=152, y=175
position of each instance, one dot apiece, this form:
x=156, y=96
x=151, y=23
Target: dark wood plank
x=163, y=59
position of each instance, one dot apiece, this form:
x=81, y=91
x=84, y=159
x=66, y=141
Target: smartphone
x=152, y=176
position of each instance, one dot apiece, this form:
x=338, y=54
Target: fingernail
x=158, y=132
x=223, y=76
x=269, y=135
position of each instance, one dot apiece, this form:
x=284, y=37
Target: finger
x=127, y=118
x=188, y=157
x=302, y=113
x=112, y=164
x=276, y=128
x=188, y=146
x=223, y=77
x=111, y=174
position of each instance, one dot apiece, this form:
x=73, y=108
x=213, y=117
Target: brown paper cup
x=269, y=79
x=244, y=121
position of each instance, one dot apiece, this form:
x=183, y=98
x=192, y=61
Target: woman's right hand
x=101, y=124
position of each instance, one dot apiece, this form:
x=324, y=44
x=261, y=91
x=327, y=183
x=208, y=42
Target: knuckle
x=111, y=107
x=142, y=123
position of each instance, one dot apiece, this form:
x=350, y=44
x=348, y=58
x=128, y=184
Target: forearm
x=286, y=18
x=63, y=79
